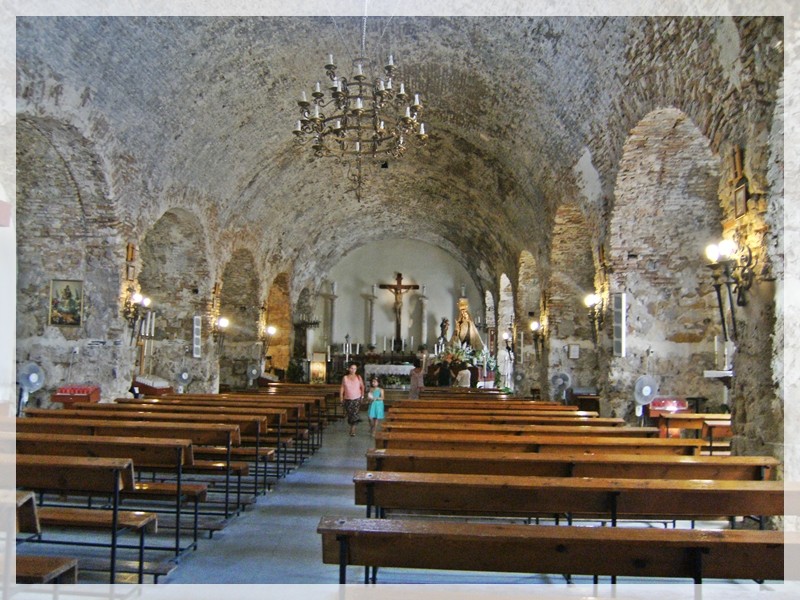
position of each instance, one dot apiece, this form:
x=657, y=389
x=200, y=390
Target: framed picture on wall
x=740, y=200
x=66, y=302
x=130, y=272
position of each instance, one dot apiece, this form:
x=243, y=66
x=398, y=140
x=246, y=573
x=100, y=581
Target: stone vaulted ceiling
x=198, y=112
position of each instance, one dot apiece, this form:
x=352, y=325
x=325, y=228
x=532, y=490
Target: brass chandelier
x=360, y=117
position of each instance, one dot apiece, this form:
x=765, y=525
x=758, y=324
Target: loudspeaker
x=619, y=306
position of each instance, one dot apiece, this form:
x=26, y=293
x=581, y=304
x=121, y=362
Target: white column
x=423, y=301
x=332, y=308
x=373, y=339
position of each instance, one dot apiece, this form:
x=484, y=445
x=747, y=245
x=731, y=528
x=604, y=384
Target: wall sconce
x=218, y=331
x=134, y=312
x=538, y=334
x=508, y=337
x=594, y=303
x=733, y=267
x=266, y=339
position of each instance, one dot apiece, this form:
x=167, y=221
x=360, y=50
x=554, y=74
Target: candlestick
x=384, y=343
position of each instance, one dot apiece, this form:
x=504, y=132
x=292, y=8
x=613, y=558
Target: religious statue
x=466, y=331
x=398, y=289
x=444, y=326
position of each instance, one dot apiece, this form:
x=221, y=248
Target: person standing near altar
x=351, y=392
x=417, y=381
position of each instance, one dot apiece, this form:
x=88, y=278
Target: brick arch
x=175, y=274
x=666, y=212
x=67, y=227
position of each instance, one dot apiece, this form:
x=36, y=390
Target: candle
x=411, y=343
x=403, y=344
x=330, y=59
x=374, y=289
x=384, y=343
x=153, y=325
x=303, y=96
x=317, y=88
x=344, y=348
x=329, y=354
x=358, y=346
x=391, y=60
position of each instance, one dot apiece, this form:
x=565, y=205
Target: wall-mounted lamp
x=134, y=309
x=218, y=331
x=266, y=338
x=594, y=303
x=538, y=334
x=733, y=267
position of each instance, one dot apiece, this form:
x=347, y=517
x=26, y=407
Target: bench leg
x=141, y=555
x=343, y=551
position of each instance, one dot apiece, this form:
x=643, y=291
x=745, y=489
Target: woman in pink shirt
x=351, y=392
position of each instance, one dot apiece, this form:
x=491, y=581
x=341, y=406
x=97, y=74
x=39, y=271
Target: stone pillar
x=423, y=334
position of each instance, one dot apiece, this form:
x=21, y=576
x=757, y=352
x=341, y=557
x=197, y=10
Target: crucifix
x=398, y=289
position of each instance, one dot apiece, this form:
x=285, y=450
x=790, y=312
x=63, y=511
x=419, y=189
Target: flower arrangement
x=456, y=353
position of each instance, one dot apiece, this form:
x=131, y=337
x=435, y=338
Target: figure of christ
x=398, y=289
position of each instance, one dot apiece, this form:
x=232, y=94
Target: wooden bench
x=584, y=430
x=743, y=468
x=46, y=569
x=473, y=404
x=288, y=430
x=513, y=419
x=678, y=421
x=108, y=476
x=715, y=430
x=35, y=568
x=160, y=454
x=597, y=551
x=491, y=411
x=201, y=434
x=606, y=498
x=536, y=443
x=250, y=424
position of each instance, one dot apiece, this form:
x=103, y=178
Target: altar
x=384, y=370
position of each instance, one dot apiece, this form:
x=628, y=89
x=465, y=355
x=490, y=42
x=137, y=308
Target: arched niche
x=175, y=275
x=239, y=302
x=67, y=230
x=665, y=212
x=279, y=315
x=571, y=344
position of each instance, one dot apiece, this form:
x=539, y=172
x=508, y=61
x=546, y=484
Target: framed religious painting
x=740, y=200
x=66, y=302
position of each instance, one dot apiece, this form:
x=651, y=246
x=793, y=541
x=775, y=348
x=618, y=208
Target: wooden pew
x=716, y=429
x=108, y=476
x=472, y=403
x=513, y=419
x=276, y=420
x=32, y=568
x=289, y=437
x=635, y=552
x=201, y=434
x=606, y=498
x=489, y=411
x=743, y=468
x=668, y=421
x=536, y=443
x=450, y=426
x=249, y=424
x=159, y=454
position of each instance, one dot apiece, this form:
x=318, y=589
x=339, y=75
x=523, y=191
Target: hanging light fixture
x=360, y=117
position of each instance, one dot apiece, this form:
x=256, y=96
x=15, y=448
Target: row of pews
x=129, y=487
x=487, y=484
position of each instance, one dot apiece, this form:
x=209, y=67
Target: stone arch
x=279, y=315
x=175, y=274
x=67, y=230
x=239, y=302
x=666, y=211
x=572, y=277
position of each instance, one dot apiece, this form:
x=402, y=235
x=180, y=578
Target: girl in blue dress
x=376, y=406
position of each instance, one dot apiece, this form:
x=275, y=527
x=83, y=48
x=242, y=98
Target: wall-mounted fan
x=560, y=382
x=253, y=373
x=182, y=380
x=30, y=378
